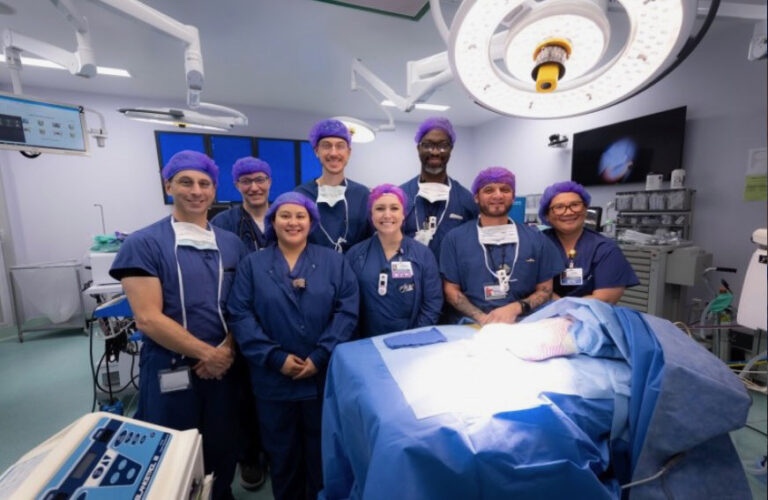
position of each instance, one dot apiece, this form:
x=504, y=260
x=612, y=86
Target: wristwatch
x=525, y=306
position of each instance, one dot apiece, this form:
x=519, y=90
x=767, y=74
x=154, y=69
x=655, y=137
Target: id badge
x=572, y=276
x=402, y=270
x=494, y=292
x=172, y=380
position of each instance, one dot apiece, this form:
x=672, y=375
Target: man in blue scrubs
x=594, y=265
x=437, y=203
x=341, y=201
x=493, y=269
x=177, y=273
x=253, y=178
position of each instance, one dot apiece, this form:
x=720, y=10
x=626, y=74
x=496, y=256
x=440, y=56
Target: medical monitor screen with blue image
x=626, y=152
x=30, y=124
x=292, y=161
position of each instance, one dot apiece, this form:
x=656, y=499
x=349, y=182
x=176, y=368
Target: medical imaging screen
x=40, y=125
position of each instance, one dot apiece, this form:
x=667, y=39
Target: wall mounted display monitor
x=39, y=126
x=628, y=151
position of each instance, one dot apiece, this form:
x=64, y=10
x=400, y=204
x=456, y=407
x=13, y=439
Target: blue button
x=114, y=478
x=130, y=473
x=122, y=464
x=98, y=472
x=135, y=439
x=143, y=438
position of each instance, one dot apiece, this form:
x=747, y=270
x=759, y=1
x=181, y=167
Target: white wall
x=726, y=99
x=50, y=199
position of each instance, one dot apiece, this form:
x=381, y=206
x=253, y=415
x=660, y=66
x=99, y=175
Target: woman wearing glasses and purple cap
x=177, y=274
x=340, y=201
x=595, y=266
x=400, y=285
x=290, y=305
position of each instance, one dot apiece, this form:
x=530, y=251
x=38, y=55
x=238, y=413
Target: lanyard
x=508, y=276
x=341, y=239
x=445, y=209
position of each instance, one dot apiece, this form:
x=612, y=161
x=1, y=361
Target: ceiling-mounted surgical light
x=359, y=130
x=657, y=31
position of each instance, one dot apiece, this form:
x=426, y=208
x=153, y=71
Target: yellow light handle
x=546, y=79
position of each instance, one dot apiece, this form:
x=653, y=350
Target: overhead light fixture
x=43, y=63
x=184, y=118
x=549, y=58
x=360, y=131
x=424, y=106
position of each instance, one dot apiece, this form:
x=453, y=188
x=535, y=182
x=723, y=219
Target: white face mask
x=497, y=235
x=434, y=191
x=331, y=195
x=192, y=235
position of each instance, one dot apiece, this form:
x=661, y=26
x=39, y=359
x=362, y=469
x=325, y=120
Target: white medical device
x=754, y=292
x=106, y=456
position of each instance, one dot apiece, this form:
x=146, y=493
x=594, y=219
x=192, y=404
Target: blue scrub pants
x=208, y=405
x=290, y=433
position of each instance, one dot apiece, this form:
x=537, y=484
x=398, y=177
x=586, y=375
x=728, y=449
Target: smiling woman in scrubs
x=340, y=201
x=595, y=266
x=400, y=285
x=290, y=305
x=177, y=273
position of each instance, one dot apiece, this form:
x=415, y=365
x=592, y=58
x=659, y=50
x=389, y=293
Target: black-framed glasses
x=441, y=147
x=247, y=181
x=576, y=207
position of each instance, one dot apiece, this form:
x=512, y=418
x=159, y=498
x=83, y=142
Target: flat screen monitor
x=36, y=125
x=628, y=151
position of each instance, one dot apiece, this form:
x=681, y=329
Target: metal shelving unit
x=648, y=211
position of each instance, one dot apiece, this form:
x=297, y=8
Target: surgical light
x=657, y=31
x=360, y=131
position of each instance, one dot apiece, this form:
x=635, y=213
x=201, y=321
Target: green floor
x=47, y=384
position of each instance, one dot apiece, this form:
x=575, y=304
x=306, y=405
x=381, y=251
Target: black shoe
x=252, y=476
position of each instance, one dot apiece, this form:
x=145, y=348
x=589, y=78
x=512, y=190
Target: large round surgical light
x=360, y=131
x=657, y=31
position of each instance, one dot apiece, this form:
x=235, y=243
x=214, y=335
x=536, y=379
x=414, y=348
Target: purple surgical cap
x=190, y=160
x=491, y=175
x=435, y=122
x=328, y=128
x=249, y=165
x=292, y=198
x=559, y=188
x=383, y=189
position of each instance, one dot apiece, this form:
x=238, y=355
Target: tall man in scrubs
x=437, y=203
x=253, y=178
x=177, y=273
x=493, y=269
x=341, y=201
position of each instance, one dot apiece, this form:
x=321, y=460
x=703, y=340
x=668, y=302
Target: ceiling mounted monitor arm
x=193, y=59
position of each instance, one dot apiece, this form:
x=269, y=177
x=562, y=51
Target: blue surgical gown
x=237, y=220
x=460, y=208
x=602, y=263
x=306, y=312
x=462, y=262
x=409, y=302
x=334, y=219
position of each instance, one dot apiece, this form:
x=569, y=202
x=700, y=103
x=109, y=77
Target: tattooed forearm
x=542, y=294
x=460, y=302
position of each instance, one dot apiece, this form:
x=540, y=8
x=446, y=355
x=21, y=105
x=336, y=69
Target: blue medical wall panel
x=517, y=212
x=310, y=165
x=168, y=144
x=225, y=150
x=281, y=156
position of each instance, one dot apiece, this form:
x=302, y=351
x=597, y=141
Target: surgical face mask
x=192, y=235
x=434, y=191
x=497, y=235
x=331, y=195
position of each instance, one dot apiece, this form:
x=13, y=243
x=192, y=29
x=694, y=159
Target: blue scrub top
x=237, y=220
x=150, y=252
x=332, y=218
x=603, y=264
x=409, y=302
x=462, y=263
x=461, y=208
x=271, y=318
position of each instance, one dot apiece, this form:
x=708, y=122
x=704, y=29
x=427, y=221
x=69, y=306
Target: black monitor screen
x=628, y=151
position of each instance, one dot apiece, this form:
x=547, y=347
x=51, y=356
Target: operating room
x=285, y=65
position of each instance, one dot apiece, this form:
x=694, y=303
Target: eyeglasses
x=576, y=207
x=441, y=147
x=247, y=181
x=327, y=146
